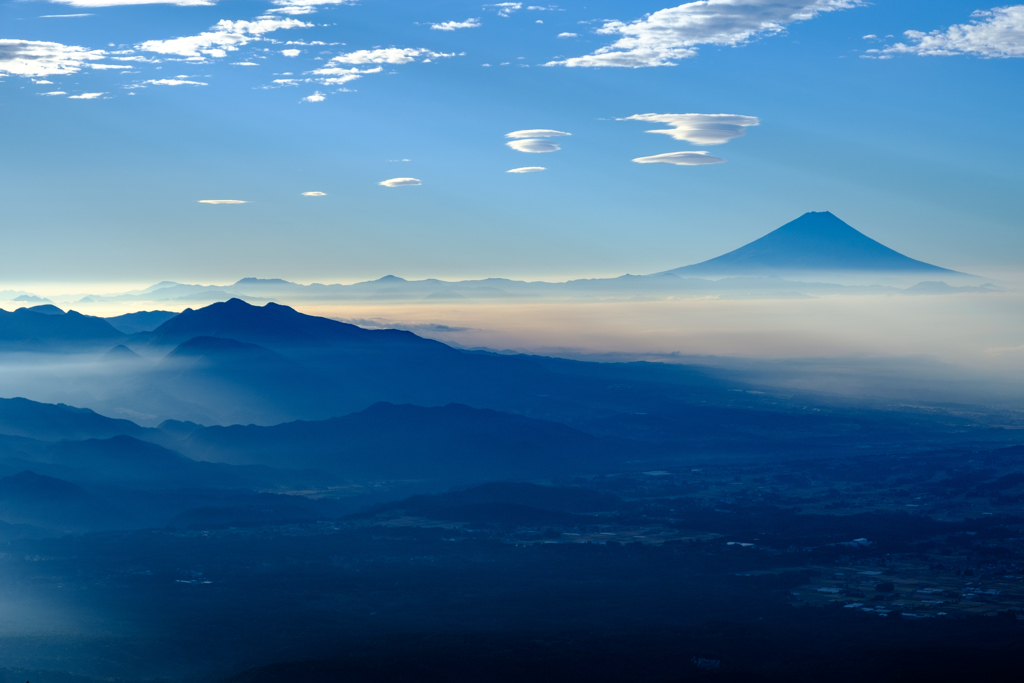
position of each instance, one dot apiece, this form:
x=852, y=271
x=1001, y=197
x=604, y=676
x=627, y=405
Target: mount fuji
x=814, y=242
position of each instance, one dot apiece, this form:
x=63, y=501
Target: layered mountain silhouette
x=48, y=327
x=58, y=422
x=48, y=502
x=289, y=366
x=453, y=443
x=818, y=241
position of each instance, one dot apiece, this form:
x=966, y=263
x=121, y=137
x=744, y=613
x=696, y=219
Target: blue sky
x=914, y=139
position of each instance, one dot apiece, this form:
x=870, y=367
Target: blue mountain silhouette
x=817, y=241
x=272, y=325
x=47, y=326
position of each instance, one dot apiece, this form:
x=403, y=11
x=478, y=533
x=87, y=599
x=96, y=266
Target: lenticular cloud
x=400, y=182
x=531, y=140
x=700, y=129
x=537, y=133
x=533, y=146
x=681, y=159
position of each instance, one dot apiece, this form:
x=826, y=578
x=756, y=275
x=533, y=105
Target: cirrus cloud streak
x=400, y=182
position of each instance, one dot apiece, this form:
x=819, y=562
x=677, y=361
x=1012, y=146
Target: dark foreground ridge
x=817, y=241
x=383, y=507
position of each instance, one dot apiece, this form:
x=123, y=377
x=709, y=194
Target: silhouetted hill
x=121, y=353
x=140, y=321
x=54, y=422
x=274, y=326
x=29, y=486
x=219, y=349
x=126, y=459
x=386, y=441
x=817, y=241
x=41, y=501
x=45, y=309
x=28, y=329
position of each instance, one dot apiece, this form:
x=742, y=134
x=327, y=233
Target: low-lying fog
x=959, y=348
x=964, y=348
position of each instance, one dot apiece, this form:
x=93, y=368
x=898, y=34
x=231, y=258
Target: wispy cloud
x=304, y=6
x=314, y=194
x=223, y=201
x=386, y=55
x=994, y=33
x=87, y=96
x=505, y=9
x=701, y=129
x=336, y=71
x=315, y=97
x=40, y=58
x=62, y=16
x=225, y=36
x=681, y=159
x=454, y=25
x=400, y=182
x=118, y=3
x=661, y=38
x=291, y=52
x=537, y=133
x=568, y=35
x=174, y=81
x=526, y=169
x=52, y=93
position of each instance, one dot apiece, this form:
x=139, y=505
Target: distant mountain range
x=816, y=254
